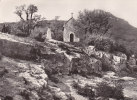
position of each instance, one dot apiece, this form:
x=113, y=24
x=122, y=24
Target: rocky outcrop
x=115, y=62
x=21, y=80
x=23, y=48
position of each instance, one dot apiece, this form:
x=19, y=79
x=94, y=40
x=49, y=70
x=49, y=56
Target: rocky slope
x=54, y=69
x=20, y=79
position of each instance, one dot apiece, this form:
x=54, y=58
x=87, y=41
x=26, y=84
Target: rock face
x=21, y=80
x=15, y=49
x=13, y=46
x=89, y=50
x=115, y=62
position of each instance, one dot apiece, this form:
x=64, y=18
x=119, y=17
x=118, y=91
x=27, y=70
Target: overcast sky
x=126, y=9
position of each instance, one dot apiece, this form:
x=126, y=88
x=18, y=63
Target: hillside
x=124, y=33
x=121, y=30
x=60, y=71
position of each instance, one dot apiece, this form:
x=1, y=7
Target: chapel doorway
x=71, y=37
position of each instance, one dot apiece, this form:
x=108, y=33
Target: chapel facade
x=69, y=33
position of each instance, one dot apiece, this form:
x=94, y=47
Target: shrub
x=86, y=91
x=76, y=85
x=6, y=29
x=81, y=66
x=56, y=64
x=39, y=34
x=39, y=38
x=54, y=79
x=101, y=42
x=25, y=94
x=49, y=69
x=45, y=94
x=69, y=97
x=120, y=48
x=106, y=64
x=8, y=98
x=57, y=29
x=104, y=90
x=106, y=43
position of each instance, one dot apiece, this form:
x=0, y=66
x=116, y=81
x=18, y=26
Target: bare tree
x=28, y=18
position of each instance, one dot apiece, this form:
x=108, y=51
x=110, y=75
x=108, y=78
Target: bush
x=49, y=70
x=6, y=29
x=106, y=64
x=56, y=64
x=39, y=34
x=57, y=29
x=25, y=94
x=101, y=42
x=70, y=97
x=86, y=91
x=106, y=43
x=8, y=98
x=46, y=94
x=106, y=91
x=81, y=66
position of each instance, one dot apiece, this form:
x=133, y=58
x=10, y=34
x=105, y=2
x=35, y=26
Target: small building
x=69, y=33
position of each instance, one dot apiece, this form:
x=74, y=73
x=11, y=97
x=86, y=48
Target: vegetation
x=86, y=91
x=39, y=33
x=96, y=28
x=93, y=26
x=27, y=24
x=6, y=29
x=96, y=21
x=106, y=43
x=57, y=29
x=101, y=42
x=104, y=90
x=88, y=22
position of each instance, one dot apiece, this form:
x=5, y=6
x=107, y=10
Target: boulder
x=119, y=61
x=58, y=93
x=116, y=59
x=89, y=50
x=113, y=62
x=35, y=76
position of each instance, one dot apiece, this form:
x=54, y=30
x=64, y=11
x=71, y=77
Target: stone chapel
x=69, y=34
